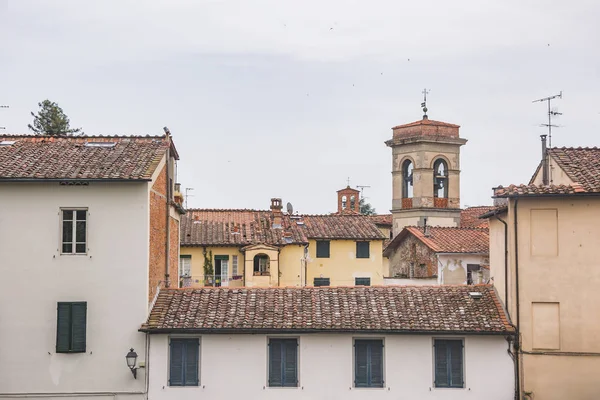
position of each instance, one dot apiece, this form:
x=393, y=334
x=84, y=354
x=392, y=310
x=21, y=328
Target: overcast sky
x=274, y=98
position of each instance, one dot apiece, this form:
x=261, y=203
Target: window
x=234, y=265
x=352, y=202
x=183, y=362
x=74, y=231
x=344, y=202
x=362, y=281
x=362, y=250
x=322, y=248
x=473, y=274
x=368, y=363
x=321, y=282
x=448, y=363
x=261, y=264
x=70, y=327
x=185, y=266
x=440, y=179
x=283, y=362
x=407, y=179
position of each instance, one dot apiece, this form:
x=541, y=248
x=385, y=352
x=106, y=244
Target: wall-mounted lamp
x=131, y=358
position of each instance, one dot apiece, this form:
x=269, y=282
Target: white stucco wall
x=235, y=367
x=112, y=278
x=451, y=266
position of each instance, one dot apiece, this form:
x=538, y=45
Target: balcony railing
x=407, y=203
x=210, y=281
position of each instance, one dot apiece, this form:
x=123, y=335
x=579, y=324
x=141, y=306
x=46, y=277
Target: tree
x=51, y=120
x=366, y=208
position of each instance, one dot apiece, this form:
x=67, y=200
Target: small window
x=183, y=362
x=261, y=264
x=362, y=250
x=448, y=363
x=362, y=281
x=283, y=362
x=323, y=248
x=74, y=231
x=234, y=265
x=71, y=327
x=407, y=179
x=185, y=266
x=473, y=273
x=321, y=282
x=368, y=363
x=440, y=179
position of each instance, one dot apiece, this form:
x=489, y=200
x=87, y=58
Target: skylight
x=7, y=142
x=100, y=144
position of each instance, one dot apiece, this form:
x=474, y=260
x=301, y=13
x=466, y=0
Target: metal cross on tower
x=424, y=103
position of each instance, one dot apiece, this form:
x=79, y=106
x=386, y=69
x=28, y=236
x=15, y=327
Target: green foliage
x=209, y=269
x=366, y=208
x=51, y=120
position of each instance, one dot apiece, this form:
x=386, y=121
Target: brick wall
x=348, y=192
x=410, y=251
x=158, y=237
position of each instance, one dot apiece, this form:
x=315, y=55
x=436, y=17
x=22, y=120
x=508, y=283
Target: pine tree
x=51, y=120
x=366, y=208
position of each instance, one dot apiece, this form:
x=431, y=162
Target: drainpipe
x=505, y=261
x=167, y=211
x=519, y=354
x=305, y=265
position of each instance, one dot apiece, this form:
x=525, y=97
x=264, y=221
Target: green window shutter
x=361, y=363
x=362, y=281
x=78, y=326
x=376, y=363
x=191, y=351
x=362, y=250
x=63, y=328
x=455, y=353
x=290, y=363
x=441, y=363
x=275, y=363
x=221, y=257
x=323, y=248
x=321, y=282
x=176, y=363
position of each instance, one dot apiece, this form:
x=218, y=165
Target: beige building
x=544, y=264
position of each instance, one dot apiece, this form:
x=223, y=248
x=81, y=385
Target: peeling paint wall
x=412, y=252
x=452, y=268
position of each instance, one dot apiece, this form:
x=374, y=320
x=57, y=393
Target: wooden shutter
x=176, y=363
x=361, y=364
x=63, y=327
x=78, y=326
x=290, y=362
x=441, y=364
x=455, y=351
x=362, y=250
x=275, y=363
x=323, y=248
x=376, y=363
x=190, y=353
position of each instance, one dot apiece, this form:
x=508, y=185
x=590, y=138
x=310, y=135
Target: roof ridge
x=227, y=209
x=23, y=135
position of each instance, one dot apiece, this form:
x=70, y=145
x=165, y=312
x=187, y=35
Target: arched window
x=440, y=179
x=407, y=179
x=344, y=202
x=261, y=264
x=352, y=202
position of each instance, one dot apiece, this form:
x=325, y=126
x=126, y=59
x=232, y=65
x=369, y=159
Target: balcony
x=440, y=202
x=407, y=202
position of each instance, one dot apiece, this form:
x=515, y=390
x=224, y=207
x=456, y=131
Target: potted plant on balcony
x=209, y=270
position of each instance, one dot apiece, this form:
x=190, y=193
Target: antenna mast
x=187, y=189
x=1, y=106
x=550, y=115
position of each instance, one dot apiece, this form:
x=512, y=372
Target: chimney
x=544, y=160
x=426, y=232
x=276, y=211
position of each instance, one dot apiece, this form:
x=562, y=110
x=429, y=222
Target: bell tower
x=425, y=173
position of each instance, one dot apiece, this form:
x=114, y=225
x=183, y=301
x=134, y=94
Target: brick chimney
x=276, y=211
x=348, y=200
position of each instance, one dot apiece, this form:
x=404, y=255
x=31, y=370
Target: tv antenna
x=362, y=188
x=1, y=106
x=551, y=113
x=187, y=190
x=424, y=103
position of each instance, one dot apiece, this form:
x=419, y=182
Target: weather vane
x=424, y=103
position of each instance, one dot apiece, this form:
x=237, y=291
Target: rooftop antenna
x=362, y=188
x=551, y=113
x=424, y=103
x=1, y=106
x=187, y=190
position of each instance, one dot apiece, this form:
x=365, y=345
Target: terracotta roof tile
x=68, y=157
x=446, y=240
x=469, y=217
x=427, y=122
x=382, y=219
x=537, y=190
x=382, y=309
x=581, y=164
x=340, y=227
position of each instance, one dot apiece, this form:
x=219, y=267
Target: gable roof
x=377, y=309
x=538, y=190
x=38, y=158
x=469, y=217
x=241, y=227
x=446, y=240
x=382, y=219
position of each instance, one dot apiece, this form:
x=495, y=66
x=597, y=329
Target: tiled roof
x=382, y=219
x=537, y=190
x=427, y=122
x=382, y=309
x=581, y=164
x=210, y=227
x=69, y=158
x=469, y=217
x=242, y=227
x=340, y=227
x=446, y=240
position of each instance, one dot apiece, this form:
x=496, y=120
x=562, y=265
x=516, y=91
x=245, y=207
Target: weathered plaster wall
x=452, y=268
x=413, y=251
